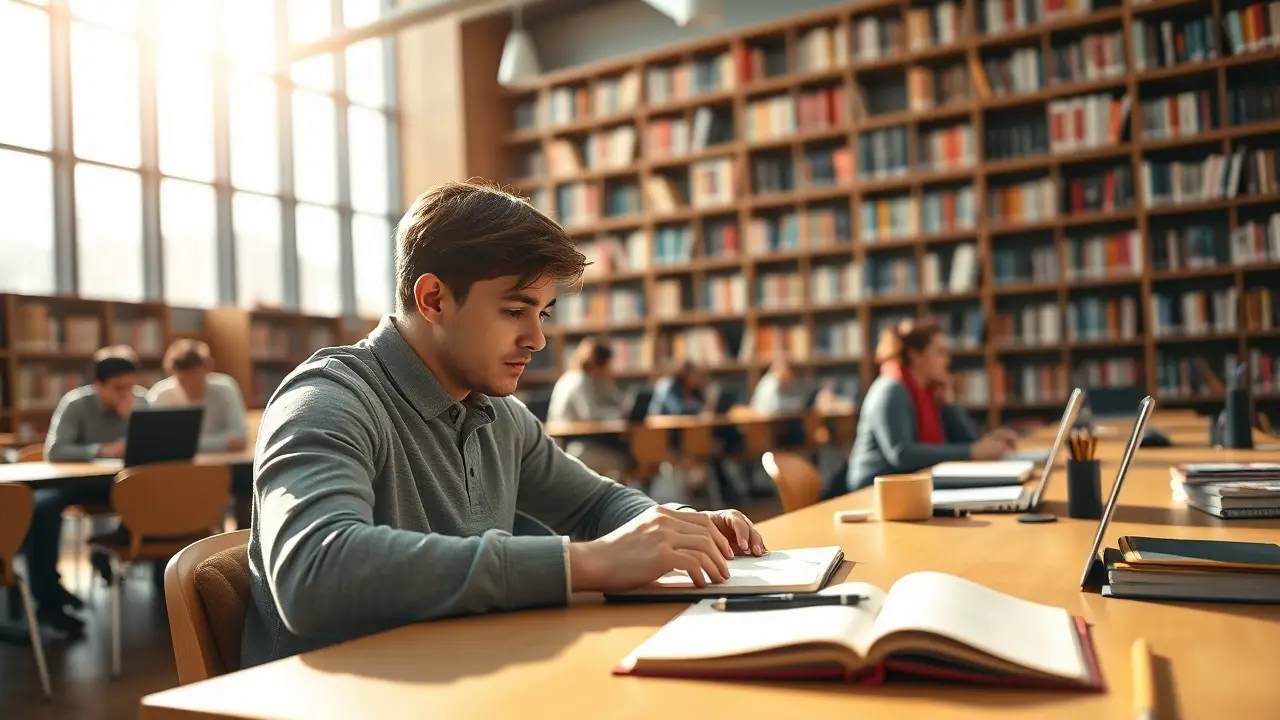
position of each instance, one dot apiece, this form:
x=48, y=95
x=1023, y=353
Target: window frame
x=62, y=155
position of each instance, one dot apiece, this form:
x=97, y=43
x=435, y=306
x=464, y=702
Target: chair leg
x=37, y=644
x=117, y=575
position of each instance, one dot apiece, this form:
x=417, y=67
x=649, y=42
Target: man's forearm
x=615, y=507
x=342, y=574
x=71, y=452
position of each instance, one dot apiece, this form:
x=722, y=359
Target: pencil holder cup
x=1084, y=489
x=1238, y=433
x=1217, y=425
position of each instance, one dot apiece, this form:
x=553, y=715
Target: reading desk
x=1211, y=660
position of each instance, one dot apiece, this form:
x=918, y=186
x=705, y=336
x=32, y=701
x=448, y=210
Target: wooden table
x=1213, y=660
x=42, y=475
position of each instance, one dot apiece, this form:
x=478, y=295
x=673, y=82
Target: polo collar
x=412, y=376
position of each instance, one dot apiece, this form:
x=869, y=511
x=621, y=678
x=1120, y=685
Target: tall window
x=174, y=160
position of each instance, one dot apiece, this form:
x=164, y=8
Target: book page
x=802, y=567
x=703, y=632
x=1028, y=634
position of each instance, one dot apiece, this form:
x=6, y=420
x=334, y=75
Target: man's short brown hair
x=467, y=232
x=186, y=354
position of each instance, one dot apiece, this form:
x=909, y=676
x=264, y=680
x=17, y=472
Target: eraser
x=853, y=515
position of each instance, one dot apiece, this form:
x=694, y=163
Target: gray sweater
x=378, y=501
x=886, y=439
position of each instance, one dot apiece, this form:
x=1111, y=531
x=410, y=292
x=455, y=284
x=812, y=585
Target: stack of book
x=1228, y=490
x=1203, y=570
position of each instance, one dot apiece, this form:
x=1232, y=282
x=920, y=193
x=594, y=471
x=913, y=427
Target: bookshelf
x=259, y=347
x=47, y=345
x=1051, y=179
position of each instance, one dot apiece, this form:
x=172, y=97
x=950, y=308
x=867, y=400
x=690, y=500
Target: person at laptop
x=585, y=393
x=909, y=420
x=391, y=471
x=90, y=422
x=682, y=392
x=192, y=381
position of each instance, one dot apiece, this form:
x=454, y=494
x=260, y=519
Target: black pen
x=950, y=512
x=784, y=601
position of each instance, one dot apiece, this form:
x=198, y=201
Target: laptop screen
x=1135, y=437
x=1068, y=420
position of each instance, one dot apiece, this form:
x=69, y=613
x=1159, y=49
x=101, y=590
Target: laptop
x=1013, y=498
x=155, y=435
x=1135, y=439
x=635, y=406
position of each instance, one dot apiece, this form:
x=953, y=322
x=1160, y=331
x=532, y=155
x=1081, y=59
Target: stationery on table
x=1183, y=569
x=1083, y=445
x=928, y=625
x=778, y=571
x=1144, y=687
x=1228, y=490
x=981, y=474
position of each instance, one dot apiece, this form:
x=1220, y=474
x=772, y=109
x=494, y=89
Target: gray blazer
x=886, y=438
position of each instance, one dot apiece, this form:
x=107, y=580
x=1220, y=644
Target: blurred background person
x=587, y=392
x=908, y=420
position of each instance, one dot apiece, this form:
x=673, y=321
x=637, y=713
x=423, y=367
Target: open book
x=928, y=624
x=777, y=571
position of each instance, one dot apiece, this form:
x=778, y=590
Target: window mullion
x=152, y=244
x=65, y=252
x=346, y=243
x=225, y=240
x=291, y=297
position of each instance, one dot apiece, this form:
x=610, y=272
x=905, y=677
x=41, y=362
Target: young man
x=389, y=473
x=90, y=422
x=192, y=381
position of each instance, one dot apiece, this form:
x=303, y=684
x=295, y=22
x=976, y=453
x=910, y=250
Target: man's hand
x=992, y=446
x=111, y=450
x=737, y=530
x=652, y=544
x=235, y=443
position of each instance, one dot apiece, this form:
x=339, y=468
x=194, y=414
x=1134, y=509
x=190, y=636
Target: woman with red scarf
x=908, y=420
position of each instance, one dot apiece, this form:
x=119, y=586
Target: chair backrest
x=31, y=453
x=16, y=504
x=799, y=483
x=171, y=499
x=206, y=591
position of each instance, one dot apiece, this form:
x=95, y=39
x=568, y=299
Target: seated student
x=683, y=392
x=780, y=391
x=90, y=422
x=908, y=420
x=391, y=471
x=192, y=381
x=587, y=392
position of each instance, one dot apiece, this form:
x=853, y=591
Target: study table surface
x=1213, y=660
x=41, y=475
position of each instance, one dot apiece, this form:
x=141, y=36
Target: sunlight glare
x=109, y=233
x=24, y=77
x=26, y=235
x=318, y=260
x=255, y=162
x=188, y=219
x=372, y=244
x=119, y=14
x=255, y=222
x=185, y=114
x=104, y=89
x=315, y=155
x=187, y=24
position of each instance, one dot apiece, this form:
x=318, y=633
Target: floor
x=80, y=671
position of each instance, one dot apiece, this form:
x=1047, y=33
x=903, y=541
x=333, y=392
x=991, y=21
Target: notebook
x=799, y=570
x=981, y=474
x=1209, y=554
x=928, y=624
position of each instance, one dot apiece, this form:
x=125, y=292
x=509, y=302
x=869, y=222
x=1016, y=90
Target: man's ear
x=432, y=297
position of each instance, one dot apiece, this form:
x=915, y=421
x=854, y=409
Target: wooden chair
x=165, y=506
x=799, y=483
x=81, y=514
x=206, y=591
x=16, y=504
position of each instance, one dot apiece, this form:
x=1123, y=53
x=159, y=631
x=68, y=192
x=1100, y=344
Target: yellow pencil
x=1144, y=692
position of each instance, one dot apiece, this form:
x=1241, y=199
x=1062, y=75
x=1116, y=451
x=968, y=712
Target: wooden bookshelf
x=853, y=75
x=42, y=355
x=259, y=347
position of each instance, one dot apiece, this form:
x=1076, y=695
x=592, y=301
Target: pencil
x=1144, y=696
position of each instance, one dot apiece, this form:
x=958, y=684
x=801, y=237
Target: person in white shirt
x=587, y=392
x=778, y=390
x=192, y=381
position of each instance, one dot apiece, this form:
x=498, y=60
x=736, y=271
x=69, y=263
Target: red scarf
x=928, y=414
